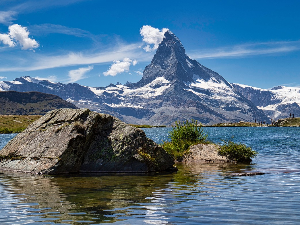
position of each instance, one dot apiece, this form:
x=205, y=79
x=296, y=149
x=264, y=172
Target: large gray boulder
x=82, y=141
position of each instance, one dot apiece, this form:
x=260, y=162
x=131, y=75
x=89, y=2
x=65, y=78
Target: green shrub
x=237, y=152
x=183, y=135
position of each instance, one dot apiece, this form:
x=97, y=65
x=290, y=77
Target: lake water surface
x=199, y=194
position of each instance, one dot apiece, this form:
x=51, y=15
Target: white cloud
x=21, y=35
x=6, y=17
x=152, y=36
x=18, y=34
x=78, y=74
x=1, y=78
x=120, y=67
x=6, y=39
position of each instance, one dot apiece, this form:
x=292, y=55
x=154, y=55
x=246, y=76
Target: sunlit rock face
x=82, y=141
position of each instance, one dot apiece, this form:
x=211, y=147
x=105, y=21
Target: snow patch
x=4, y=86
x=153, y=89
x=287, y=95
x=124, y=105
x=189, y=63
x=247, y=86
x=212, y=84
x=15, y=82
x=96, y=91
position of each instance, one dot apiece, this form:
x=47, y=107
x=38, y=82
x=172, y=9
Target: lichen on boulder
x=82, y=141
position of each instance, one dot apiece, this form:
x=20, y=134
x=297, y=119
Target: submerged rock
x=79, y=140
x=205, y=153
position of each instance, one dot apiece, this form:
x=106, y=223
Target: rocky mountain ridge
x=173, y=87
x=277, y=103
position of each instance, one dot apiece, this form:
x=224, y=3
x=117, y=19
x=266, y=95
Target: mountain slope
x=30, y=103
x=173, y=87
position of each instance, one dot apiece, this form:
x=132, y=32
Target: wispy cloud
x=44, y=29
x=40, y=62
x=35, y=5
x=78, y=74
x=9, y=14
x=6, y=17
x=139, y=72
x=248, y=50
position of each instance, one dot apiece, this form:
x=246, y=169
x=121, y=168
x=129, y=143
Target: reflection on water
x=196, y=194
x=149, y=199
x=80, y=198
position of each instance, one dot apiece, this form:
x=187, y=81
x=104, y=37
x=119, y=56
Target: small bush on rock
x=237, y=152
x=183, y=135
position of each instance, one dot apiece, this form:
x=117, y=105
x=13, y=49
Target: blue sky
x=95, y=42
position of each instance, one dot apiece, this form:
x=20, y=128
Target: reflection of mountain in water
x=83, y=198
x=109, y=198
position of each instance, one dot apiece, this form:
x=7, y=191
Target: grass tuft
x=15, y=123
x=183, y=135
x=237, y=152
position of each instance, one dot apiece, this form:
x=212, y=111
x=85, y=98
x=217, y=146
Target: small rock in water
x=246, y=174
x=205, y=153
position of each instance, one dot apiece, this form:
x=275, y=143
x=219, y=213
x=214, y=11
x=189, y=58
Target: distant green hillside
x=238, y=124
x=30, y=103
x=288, y=122
x=15, y=123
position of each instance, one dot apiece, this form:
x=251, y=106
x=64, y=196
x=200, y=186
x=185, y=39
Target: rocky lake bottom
x=205, y=194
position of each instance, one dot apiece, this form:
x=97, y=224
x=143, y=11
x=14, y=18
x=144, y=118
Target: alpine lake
x=197, y=194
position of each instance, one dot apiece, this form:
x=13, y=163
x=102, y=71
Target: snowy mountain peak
x=173, y=87
x=172, y=42
x=171, y=62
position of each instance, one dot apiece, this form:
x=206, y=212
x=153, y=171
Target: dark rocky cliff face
x=65, y=91
x=172, y=63
x=82, y=141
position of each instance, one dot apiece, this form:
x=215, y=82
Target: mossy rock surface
x=205, y=153
x=82, y=141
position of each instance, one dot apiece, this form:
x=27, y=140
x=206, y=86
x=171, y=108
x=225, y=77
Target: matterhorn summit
x=173, y=87
x=171, y=62
x=176, y=87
